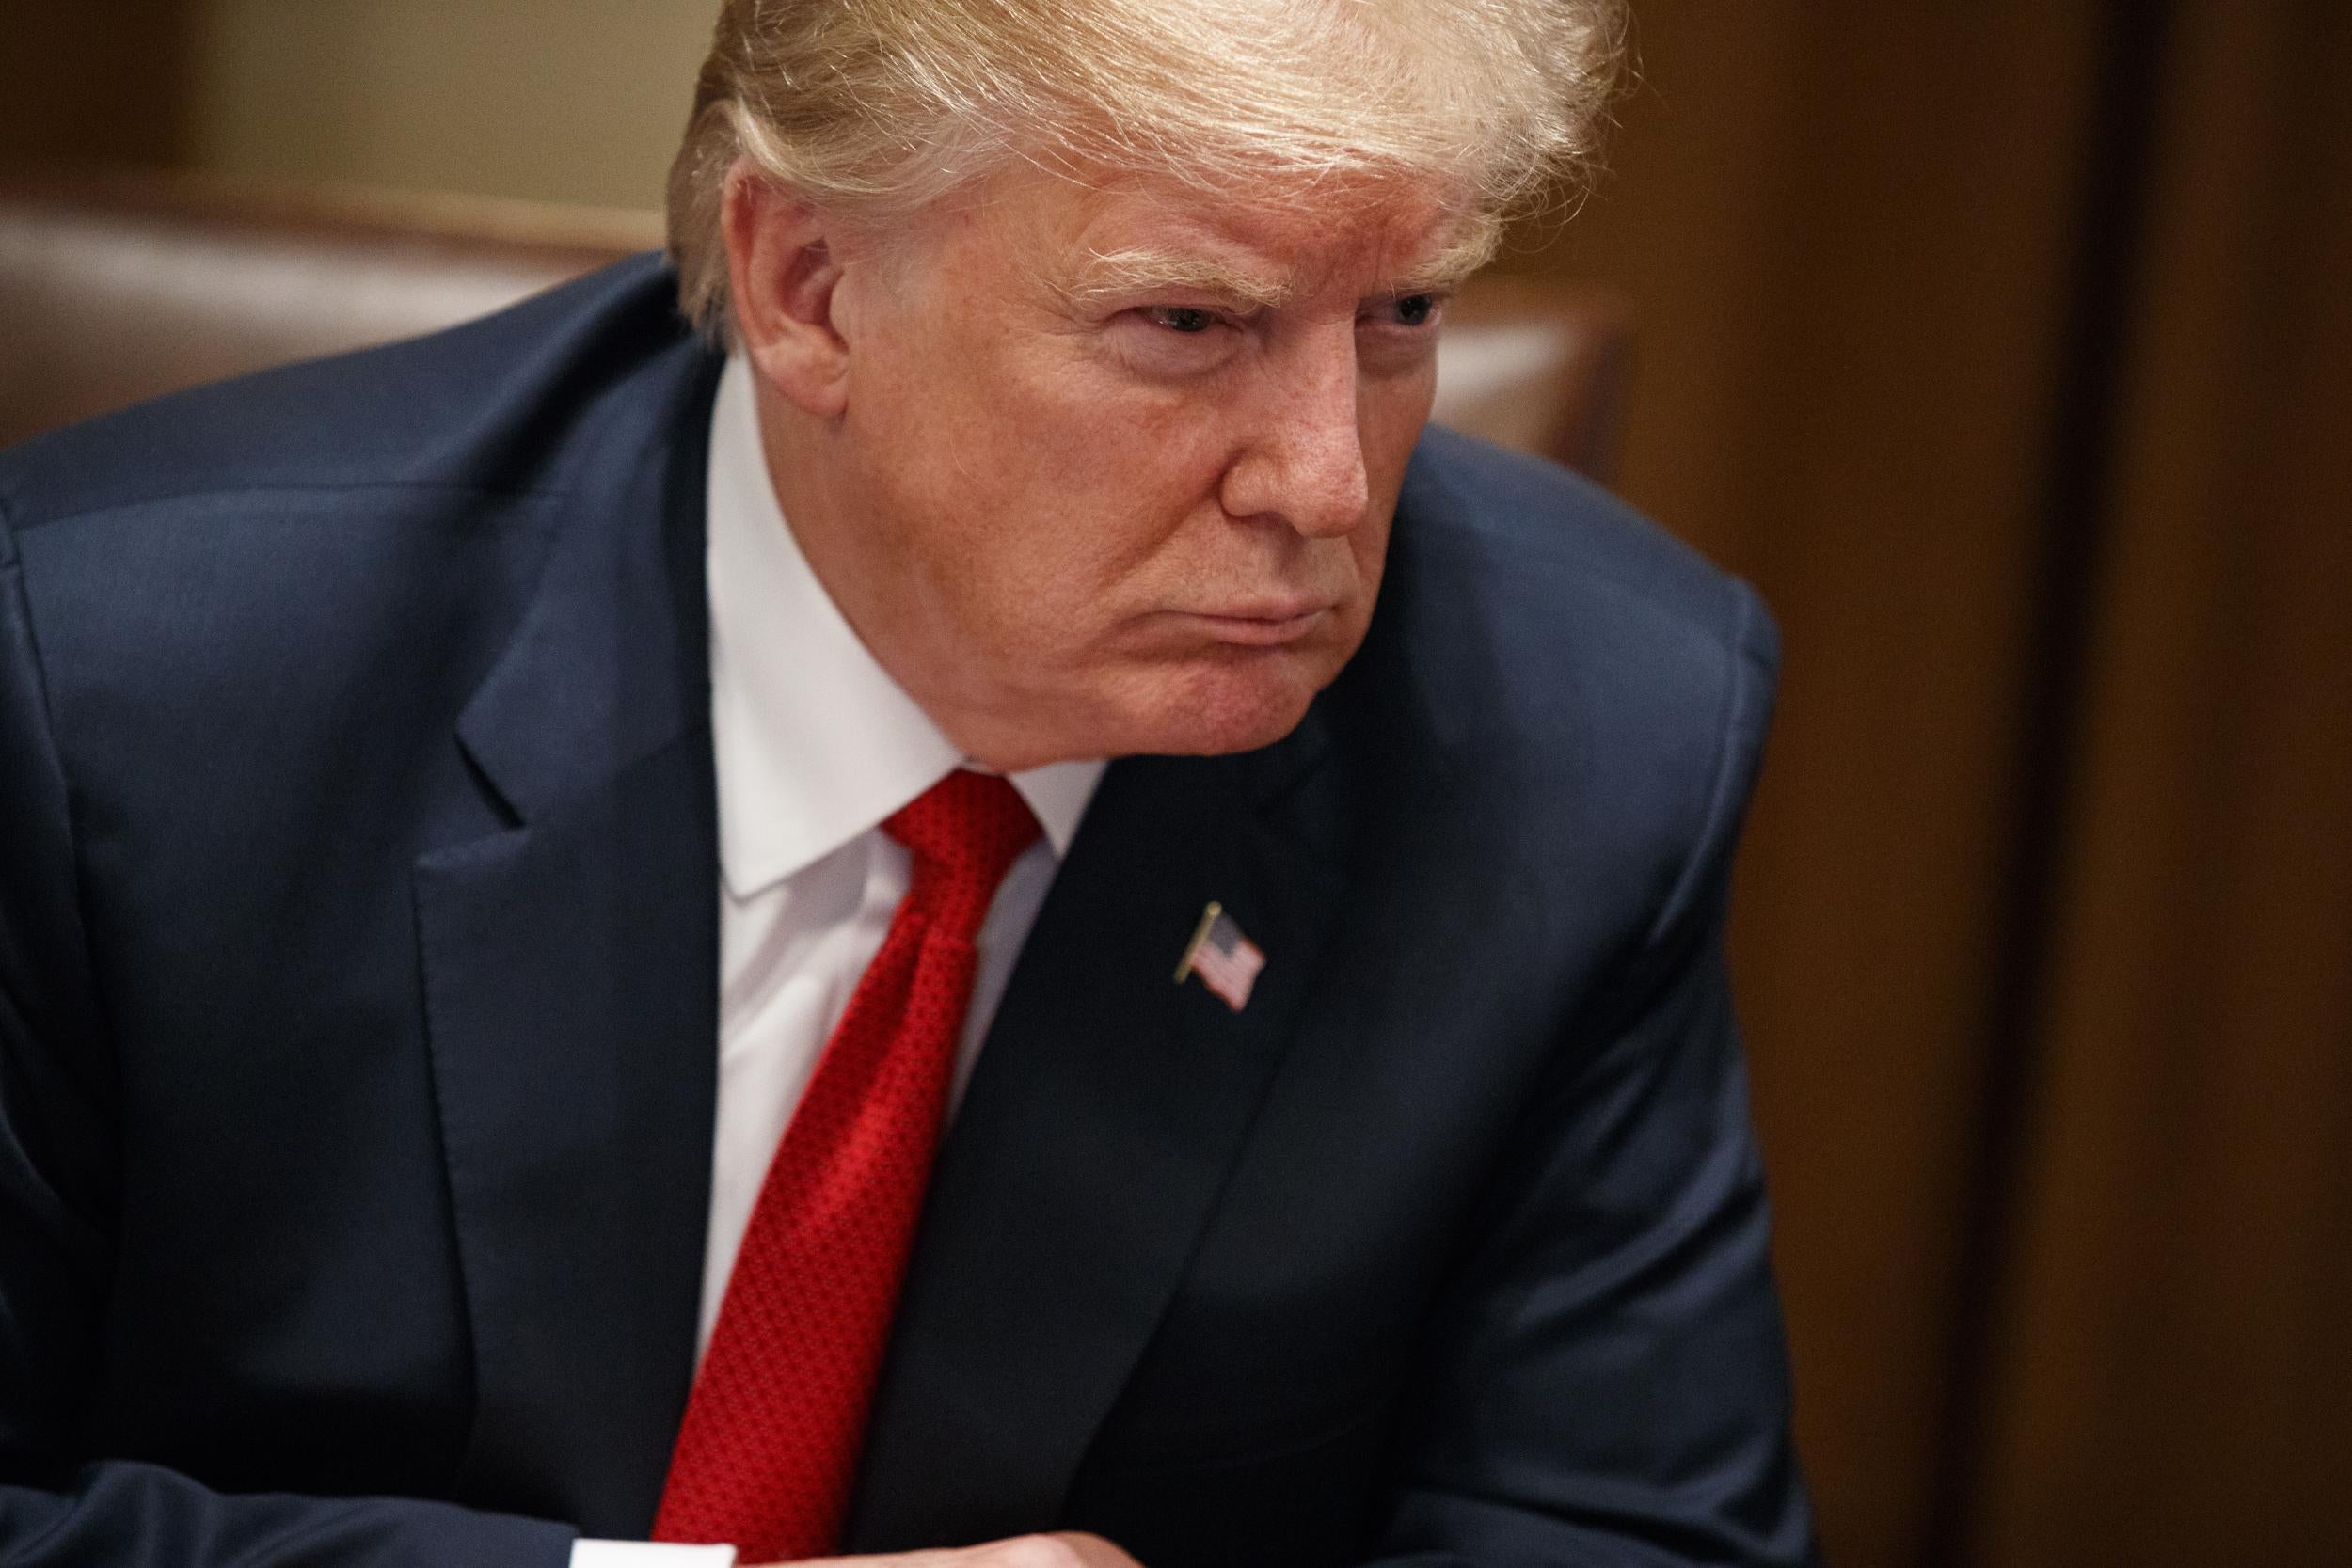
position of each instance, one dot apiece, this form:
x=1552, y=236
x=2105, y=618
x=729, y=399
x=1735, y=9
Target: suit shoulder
x=1570, y=698
x=1570, y=579
x=349, y=530
x=475, y=406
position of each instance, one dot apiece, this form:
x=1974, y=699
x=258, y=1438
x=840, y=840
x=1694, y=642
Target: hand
x=1067, y=1550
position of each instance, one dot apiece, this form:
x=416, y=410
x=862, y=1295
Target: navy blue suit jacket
x=357, y=1006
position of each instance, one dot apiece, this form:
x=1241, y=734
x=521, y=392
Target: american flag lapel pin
x=1226, y=961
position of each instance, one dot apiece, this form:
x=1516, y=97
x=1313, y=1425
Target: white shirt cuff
x=648, y=1553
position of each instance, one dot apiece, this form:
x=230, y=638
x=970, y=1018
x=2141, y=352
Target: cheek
x=1391, y=412
x=1396, y=412
x=1099, y=433
x=1369, y=544
x=1081, y=494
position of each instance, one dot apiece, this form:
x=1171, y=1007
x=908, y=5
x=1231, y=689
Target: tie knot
x=964, y=832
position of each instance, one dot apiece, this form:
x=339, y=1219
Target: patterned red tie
x=769, y=1443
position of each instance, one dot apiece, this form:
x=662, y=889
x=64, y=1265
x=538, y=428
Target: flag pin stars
x=1226, y=961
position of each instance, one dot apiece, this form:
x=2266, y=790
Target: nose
x=1301, y=461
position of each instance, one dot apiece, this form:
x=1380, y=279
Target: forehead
x=1087, y=236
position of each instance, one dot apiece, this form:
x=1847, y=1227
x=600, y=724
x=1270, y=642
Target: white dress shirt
x=814, y=745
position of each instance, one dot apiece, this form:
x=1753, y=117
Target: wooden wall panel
x=2175, y=1376
x=93, y=82
x=1847, y=229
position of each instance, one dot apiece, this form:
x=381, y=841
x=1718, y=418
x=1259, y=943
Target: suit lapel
x=1109, y=1104
x=570, y=967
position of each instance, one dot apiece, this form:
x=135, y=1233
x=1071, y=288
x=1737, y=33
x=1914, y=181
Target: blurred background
x=2008, y=347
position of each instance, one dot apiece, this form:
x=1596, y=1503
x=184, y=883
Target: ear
x=782, y=266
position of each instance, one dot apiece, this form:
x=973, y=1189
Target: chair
x=119, y=287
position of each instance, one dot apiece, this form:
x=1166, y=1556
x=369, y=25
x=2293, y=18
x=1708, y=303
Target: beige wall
x=564, y=100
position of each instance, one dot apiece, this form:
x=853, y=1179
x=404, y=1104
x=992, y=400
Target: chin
x=1229, y=709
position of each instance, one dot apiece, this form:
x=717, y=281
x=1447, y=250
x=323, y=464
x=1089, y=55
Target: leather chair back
x=123, y=287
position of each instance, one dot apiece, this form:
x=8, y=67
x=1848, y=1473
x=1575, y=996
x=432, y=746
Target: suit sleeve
x=60, y=1508
x=1606, y=1382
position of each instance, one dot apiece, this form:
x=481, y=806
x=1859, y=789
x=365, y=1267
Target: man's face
x=1116, y=466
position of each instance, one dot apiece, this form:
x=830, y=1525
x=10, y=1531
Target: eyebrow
x=1471, y=248
x=1109, y=273
x=1112, y=274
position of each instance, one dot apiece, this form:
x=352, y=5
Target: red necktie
x=772, y=1429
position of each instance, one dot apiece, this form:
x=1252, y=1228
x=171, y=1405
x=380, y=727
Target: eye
x=1187, y=319
x=1415, y=310
x=1176, y=341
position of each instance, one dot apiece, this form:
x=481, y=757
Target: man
x=517, y=840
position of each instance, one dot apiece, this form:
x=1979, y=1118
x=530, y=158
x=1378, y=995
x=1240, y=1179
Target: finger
x=1095, y=1552
x=1063, y=1549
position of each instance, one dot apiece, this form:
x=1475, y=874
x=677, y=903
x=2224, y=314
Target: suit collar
x=610, y=662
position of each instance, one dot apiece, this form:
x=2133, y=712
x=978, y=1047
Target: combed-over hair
x=877, y=107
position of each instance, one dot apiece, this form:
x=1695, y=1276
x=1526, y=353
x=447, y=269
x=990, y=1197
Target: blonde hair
x=878, y=107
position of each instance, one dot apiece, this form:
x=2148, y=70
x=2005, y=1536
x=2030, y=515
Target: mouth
x=1260, y=626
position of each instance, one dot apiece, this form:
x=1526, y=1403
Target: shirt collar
x=814, y=742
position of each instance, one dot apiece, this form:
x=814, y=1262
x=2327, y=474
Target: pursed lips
x=1264, y=623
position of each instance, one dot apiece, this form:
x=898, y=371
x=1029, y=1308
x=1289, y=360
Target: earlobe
x=782, y=269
